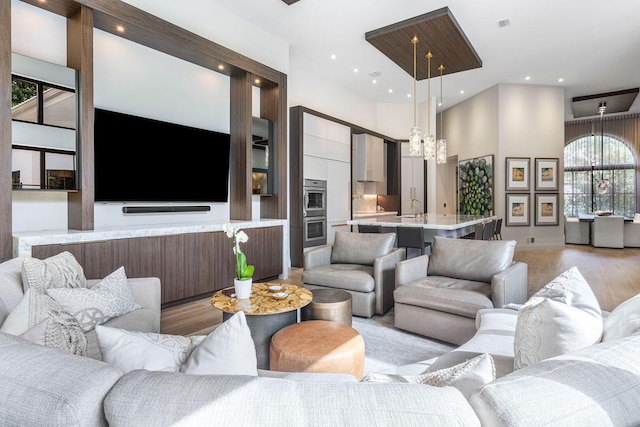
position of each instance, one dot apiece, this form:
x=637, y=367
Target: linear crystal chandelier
x=415, y=135
x=441, y=144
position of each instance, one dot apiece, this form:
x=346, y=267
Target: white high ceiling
x=593, y=45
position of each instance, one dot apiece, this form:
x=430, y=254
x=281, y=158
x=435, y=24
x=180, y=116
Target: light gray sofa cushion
x=360, y=248
x=194, y=400
x=352, y=277
x=50, y=387
x=595, y=386
x=477, y=260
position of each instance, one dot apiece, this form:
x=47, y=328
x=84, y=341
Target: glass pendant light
x=415, y=135
x=429, y=139
x=441, y=144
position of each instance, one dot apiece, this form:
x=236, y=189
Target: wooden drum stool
x=318, y=346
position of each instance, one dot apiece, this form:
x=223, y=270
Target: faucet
x=417, y=212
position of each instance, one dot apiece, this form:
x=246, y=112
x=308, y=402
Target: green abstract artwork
x=475, y=186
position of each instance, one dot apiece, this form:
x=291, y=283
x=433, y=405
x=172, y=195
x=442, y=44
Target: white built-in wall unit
x=327, y=156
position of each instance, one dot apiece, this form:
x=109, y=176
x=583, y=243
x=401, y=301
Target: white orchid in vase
x=243, y=271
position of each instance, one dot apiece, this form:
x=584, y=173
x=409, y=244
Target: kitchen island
x=434, y=224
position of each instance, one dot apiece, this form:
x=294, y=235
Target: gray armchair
x=438, y=295
x=362, y=264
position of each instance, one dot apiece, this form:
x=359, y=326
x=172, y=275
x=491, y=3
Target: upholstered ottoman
x=318, y=346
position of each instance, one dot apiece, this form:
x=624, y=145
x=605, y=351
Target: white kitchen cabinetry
x=411, y=179
x=370, y=161
x=327, y=156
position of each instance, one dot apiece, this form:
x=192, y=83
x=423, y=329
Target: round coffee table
x=318, y=346
x=329, y=304
x=265, y=314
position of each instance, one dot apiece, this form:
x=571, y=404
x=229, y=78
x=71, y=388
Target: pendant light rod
x=415, y=41
x=441, y=69
x=429, y=55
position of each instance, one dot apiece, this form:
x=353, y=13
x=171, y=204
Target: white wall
x=508, y=121
x=532, y=125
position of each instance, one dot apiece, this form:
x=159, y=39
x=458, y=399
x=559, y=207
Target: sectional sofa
x=595, y=385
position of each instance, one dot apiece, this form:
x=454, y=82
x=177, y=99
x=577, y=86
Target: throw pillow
x=623, y=321
x=59, y=271
x=636, y=217
x=571, y=288
x=109, y=298
x=561, y=317
x=227, y=350
x=39, y=319
x=466, y=376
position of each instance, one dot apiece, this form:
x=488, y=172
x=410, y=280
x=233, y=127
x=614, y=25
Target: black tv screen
x=144, y=160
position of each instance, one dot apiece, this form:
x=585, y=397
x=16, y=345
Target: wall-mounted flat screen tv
x=144, y=160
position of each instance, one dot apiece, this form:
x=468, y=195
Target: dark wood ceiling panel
x=438, y=32
x=617, y=102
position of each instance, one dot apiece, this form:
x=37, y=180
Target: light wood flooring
x=613, y=274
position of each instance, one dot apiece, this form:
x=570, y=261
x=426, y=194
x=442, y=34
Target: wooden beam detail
x=6, y=238
x=80, y=57
x=241, y=143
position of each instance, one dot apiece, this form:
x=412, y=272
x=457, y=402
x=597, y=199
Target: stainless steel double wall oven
x=314, y=206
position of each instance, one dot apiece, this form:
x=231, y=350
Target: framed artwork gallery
x=546, y=174
x=546, y=209
x=518, y=209
x=517, y=174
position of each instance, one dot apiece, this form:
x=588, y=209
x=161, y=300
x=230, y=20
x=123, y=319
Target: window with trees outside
x=599, y=175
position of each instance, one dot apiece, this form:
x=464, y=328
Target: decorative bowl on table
x=280, y=295
x=276, y=288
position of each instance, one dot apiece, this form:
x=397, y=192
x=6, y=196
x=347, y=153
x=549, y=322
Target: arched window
x=599, y=175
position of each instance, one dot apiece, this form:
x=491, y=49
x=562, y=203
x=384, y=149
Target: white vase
x=242, y=287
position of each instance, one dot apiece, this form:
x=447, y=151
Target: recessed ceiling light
x=560, y=80
x=120, y=28
x=221, y=67
x=528, y=78
x=333, y=57
x=374, y=81
x=390, y=90
x=461, y=92
x=355, y=70
x=257, y=81
x=408, y=95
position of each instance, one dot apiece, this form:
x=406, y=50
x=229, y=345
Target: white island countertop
x=427, y=221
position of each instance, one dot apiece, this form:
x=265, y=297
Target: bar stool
x=368, y=228
x=497, y=234
x=489, y=228
x=413, y=238
x=478, y=234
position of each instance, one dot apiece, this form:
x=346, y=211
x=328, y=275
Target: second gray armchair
x=362, y=264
